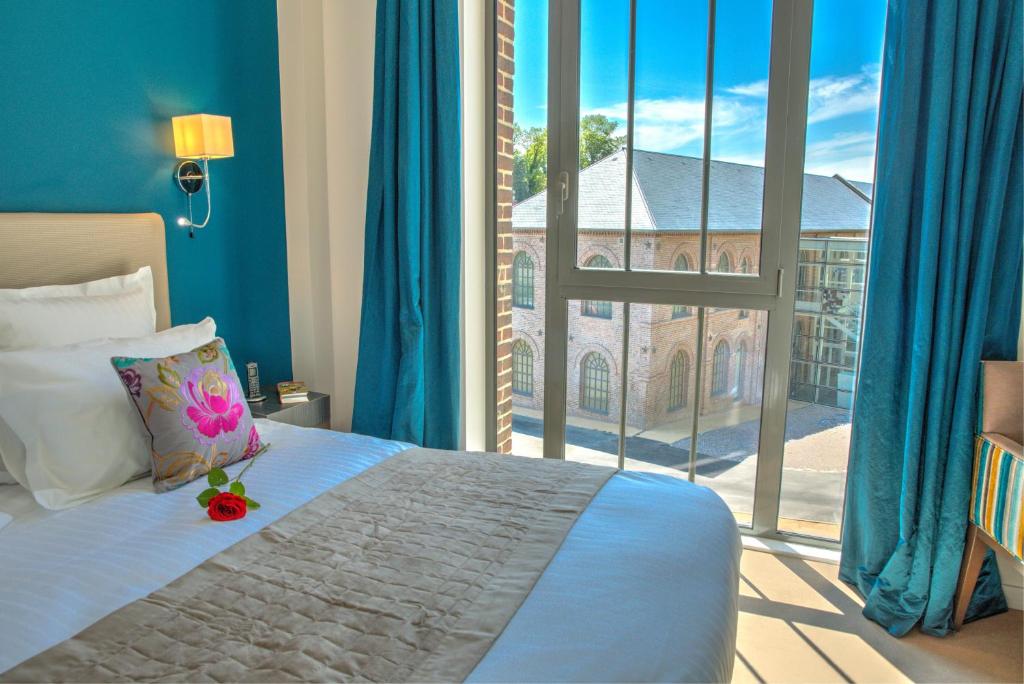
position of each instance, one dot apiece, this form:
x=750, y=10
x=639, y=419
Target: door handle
x=563, y=191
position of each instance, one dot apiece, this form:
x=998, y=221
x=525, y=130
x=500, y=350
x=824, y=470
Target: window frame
x=521, y=291
x=741, y=355
x=678, y=381
x=720, y=368
x=519, y=359
x=771, y=291
x=592, y=308
x=681, y=310
x=597, y=387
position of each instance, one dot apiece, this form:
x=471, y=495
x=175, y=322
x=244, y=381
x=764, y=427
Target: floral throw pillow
x=194, y=409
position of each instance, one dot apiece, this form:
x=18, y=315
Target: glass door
x=666, y=301
x=671, y=296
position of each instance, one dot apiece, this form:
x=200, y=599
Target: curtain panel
x=944, y=292
x=408, y=380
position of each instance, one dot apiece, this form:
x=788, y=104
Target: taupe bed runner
x=408, y=572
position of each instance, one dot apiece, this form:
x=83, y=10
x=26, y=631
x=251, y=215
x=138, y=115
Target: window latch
x=778, y=282
x=563, y=185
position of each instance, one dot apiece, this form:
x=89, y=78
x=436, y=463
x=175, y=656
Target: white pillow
x=143, y=278
x=104, y=286
x=57, y=321
x=68, y=431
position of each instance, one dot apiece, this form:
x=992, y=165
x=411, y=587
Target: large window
x=597, y=309
x=720, y=370
x=594, y=383
x=678, y=381
x=669, y=171
x=522, y=368
x=724, y=263
x=522, y=281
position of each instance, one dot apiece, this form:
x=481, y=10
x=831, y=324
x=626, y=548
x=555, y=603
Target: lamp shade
x=202, y=136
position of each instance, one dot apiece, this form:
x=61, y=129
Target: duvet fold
x=407, y=572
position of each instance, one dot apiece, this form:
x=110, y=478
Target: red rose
x=226, y=506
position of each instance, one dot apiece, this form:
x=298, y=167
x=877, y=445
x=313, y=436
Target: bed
x=641, y=587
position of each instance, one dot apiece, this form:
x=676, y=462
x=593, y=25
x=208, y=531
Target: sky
x=846, y=48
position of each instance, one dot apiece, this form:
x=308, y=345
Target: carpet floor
x=799, y=623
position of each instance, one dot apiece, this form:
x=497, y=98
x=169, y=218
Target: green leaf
x=168, y=376
x=237, y=488
x=217, y=477
x=205, y=496
x=250, y=504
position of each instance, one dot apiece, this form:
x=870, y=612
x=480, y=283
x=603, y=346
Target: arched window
x=678, y=310
x=678, y=381
x=741, y=369
x=724, y=265
x=522, y=368
x=597, y=309
x=594, y=383
x=522, y=281
x=720, y=369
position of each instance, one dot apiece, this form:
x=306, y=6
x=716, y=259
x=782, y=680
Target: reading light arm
x=191, y=178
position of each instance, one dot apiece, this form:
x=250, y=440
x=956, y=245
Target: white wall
x=473, y=28
x=326, y=55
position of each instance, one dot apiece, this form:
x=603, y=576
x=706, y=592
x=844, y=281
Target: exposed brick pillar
x=505, y=59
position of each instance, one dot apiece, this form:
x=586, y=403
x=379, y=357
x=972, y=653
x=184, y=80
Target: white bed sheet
x=644, y=587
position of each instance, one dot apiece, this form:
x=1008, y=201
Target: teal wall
x=87, y=92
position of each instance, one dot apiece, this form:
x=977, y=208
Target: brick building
x=666, y=201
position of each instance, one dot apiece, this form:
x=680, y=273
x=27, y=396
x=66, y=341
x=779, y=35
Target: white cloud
x=851, y=155
x=834, y=96
x=677, y=124
x=664, y=125
x=829, y=97
x=755, y=89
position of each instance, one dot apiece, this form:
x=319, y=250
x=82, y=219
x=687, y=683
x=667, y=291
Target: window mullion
x=630, y=125
x=709, y=92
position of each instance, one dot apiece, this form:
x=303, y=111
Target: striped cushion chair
x=997, y=499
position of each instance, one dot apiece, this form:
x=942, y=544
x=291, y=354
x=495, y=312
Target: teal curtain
x=944, y=292
x=408, y=373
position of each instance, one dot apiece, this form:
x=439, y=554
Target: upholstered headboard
x=63, y=249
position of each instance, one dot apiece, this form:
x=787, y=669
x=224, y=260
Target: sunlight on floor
x=799, y=623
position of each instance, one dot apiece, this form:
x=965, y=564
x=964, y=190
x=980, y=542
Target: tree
x=530, y=162
x=530, y=152
x=598, y=139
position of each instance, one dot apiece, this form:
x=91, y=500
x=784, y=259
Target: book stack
x=292, y=391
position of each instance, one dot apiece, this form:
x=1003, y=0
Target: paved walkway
x=718, y=449
x=814, y=472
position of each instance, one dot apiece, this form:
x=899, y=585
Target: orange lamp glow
x=202, y=136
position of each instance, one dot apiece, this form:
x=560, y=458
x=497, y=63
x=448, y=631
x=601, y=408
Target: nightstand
x=313, y=413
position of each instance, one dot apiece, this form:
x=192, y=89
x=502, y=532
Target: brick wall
x=505, y=33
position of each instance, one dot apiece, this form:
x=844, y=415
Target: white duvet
x=643, y=589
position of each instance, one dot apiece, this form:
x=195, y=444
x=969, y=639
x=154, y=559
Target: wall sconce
x=199, y=137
